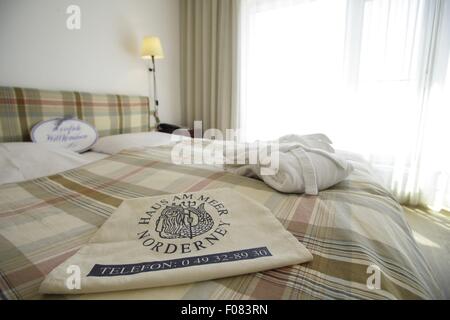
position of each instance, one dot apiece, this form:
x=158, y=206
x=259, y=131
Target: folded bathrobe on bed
x=304, y=164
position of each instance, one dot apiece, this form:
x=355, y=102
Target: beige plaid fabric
x=347, y=228
x=21, y=109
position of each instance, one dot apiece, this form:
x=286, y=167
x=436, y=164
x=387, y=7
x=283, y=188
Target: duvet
x=361, y=245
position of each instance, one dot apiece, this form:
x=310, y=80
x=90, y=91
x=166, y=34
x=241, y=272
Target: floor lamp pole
x=155, y=95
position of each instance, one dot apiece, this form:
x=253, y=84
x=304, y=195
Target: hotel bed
x=350, y=229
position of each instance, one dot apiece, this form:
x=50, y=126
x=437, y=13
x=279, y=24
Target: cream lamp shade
x=151, y=46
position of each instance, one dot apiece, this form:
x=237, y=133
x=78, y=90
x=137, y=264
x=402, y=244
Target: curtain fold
x=209, y=62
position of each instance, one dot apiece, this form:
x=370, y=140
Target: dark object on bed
x=170, y=128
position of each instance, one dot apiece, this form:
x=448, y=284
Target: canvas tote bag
x=177, y=239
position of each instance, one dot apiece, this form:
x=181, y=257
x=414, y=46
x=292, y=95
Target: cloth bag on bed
x=175, y=239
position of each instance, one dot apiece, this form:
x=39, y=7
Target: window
x=360, y=71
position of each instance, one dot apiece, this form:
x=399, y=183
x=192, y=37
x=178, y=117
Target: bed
x=350, y=229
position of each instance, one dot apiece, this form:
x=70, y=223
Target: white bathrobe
x=307, y=164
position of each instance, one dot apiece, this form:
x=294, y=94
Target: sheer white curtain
x=371, y=74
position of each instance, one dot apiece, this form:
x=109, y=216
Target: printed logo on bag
x=184, y=223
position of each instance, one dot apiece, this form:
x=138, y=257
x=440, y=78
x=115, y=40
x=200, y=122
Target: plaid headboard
x=21, y=109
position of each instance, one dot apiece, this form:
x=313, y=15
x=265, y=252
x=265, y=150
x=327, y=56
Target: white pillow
x=115, y=144
x=21, y=161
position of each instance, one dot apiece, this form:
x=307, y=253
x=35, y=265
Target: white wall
x=38, y=51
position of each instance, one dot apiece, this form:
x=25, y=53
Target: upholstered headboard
x=21, y=109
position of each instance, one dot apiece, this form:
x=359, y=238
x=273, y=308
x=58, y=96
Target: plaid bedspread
x=348, y=228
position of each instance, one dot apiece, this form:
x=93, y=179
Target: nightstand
x=170, y=128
